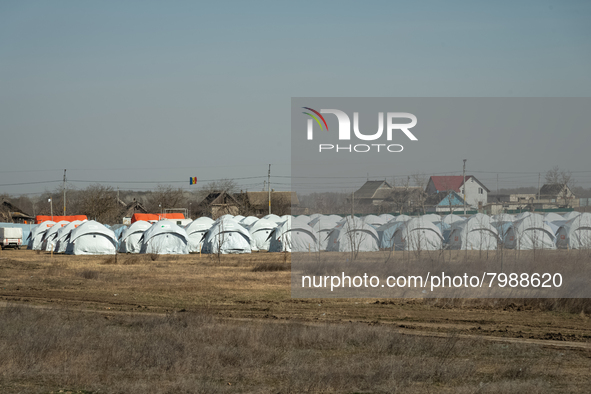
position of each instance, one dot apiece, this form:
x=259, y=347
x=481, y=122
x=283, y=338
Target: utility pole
x=539, y=175
x=269, y=187
x=464, y=186
x=51, y=207
x=497, y=185
x=64, y=187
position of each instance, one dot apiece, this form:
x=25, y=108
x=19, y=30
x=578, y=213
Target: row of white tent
x=238, y=234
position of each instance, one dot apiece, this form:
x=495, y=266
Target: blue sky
x=160, y=91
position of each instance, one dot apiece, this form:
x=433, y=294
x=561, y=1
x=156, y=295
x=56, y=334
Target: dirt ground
x=231, y=288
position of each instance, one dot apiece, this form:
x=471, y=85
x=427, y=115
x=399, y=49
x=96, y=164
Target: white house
x=476, y=192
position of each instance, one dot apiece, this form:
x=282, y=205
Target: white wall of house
x=475, y=193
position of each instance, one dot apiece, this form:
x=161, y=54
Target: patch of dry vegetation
x=45, y=350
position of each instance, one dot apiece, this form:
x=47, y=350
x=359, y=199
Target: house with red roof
x=476, y=192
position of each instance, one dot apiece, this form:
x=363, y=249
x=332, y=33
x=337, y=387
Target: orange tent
x=155, y=216
x=71, y=218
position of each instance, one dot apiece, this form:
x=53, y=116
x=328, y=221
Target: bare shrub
x=89, y=274
x=194, y=352
x=134, y=259
x=154, y=256
x=266, y=267
x=110, y=260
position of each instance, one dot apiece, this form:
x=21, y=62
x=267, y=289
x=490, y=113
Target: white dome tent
x=576, y=233
x=196, y=231
x=387, y=217
x=304, y=218
x=322, y=227
x=503, y=217
x=274, y=218
x=227, y=237
x=37, y=234
x=165, y=237
x=402, y=218
x=131, y=238
x=353, y=235
x=553, y=217
x=530, y=232
x=259, y=234
x=386, y=233
x=374, y=221
x=418, y=234
x=450, y=219
x=293, y=235
x=248, y=221
x=91, y=238
x=571, y=215
x=476, y=233
x=63, y=236
x=49, y=239
x=432, y=217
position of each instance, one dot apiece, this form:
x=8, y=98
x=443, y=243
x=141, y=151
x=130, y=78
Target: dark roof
x=219, y=198
x=445, y=183
x=370, y=189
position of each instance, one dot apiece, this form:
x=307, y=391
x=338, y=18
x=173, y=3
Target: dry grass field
x=185, y=324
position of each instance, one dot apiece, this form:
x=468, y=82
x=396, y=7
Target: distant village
x=439, y=194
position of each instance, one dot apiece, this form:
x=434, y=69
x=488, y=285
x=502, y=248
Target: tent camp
x=293, y=235
x=259, y=234
x=63, y=236
x=576, y=233
x=37, y=233
x=196, y=231
x=91, y=238
x=227, y=237
x=130, y=241
x=353, y=235
x=476, y=233
x=49, y=239
x=164, y=237
x=418, y=234
x=530, y=232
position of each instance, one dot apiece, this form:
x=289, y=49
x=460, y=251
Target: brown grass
x=265, y=341
x=49, y=350
x=270, y=267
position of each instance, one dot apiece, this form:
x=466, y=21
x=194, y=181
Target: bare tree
x=421, y=180
x=558, y=176
x=99, y=202
x=165, y=196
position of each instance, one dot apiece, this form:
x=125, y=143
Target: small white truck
x=11, y=237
